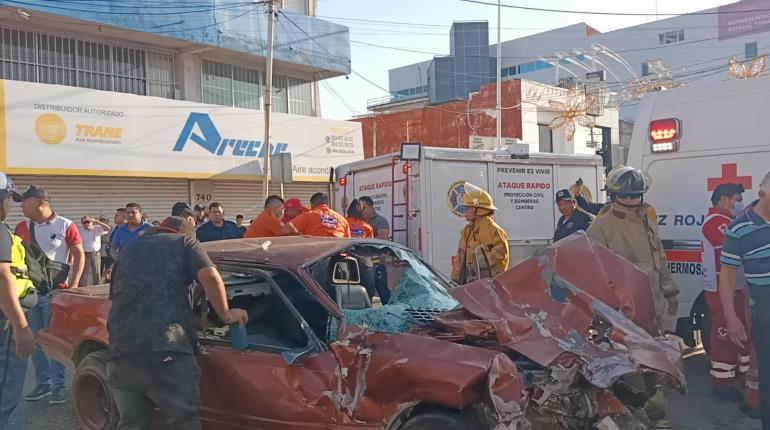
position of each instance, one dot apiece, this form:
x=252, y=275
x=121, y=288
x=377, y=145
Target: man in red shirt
x=318, y=221
x=729, y=364
x=268, y=223
x=60, y=240
x=292, y=209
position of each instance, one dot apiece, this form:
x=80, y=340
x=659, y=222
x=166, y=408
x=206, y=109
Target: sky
x=423, y=25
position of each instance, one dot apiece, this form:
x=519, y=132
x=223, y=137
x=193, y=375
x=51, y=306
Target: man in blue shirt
x=130, y=231
x=217, y=228
x=747, y=245
x=571, y=220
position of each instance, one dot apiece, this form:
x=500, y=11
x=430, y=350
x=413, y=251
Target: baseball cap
x=86, y=219
x=200, y=207
x=32, y=192
x=295, y=204
x=175, y=224
x=564, y=195
x=181, y=209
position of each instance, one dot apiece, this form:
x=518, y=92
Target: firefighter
x=481, y=231
x=624, y=226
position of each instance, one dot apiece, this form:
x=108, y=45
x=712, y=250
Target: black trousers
x=168, y=381
x=760, y=335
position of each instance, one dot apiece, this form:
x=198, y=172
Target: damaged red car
x=347, y=334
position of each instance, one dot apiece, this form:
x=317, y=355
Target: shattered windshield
x=404, y=291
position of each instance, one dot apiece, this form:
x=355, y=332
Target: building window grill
x=79, y=62
x=229, y=85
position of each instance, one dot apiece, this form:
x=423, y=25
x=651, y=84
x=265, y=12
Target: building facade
x=694, y=48
x=108, y=102
x=526, y=115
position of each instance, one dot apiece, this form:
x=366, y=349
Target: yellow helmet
x=475, y=197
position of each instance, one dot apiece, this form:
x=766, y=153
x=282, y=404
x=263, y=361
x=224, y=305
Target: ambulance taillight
x=664, y=135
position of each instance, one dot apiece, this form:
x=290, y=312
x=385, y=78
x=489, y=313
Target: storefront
x=96, y=151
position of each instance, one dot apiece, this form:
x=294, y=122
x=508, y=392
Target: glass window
x=280, y=94
x=545, y=138
x=645, y=68
x=662, y=38
x=300, y=97
x=54, y=59
x=246, y=88
x=217, y=83
x=128, y=66
x=94, y=62
x=17, y=55
x=751, y=50
x=160, y=75
x=681, y=35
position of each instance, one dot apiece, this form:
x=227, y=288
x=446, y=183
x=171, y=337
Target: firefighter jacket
x=491, y=237
x=629, y=233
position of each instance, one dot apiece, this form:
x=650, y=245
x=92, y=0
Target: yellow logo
x=50, y=128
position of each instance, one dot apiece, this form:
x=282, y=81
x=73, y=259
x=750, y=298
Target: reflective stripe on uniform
x=743, y=369
x=744, y=359
x=723, y=374
x=715, y=365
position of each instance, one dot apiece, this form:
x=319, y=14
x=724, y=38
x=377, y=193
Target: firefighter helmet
x=628, y=180
x=475, y=197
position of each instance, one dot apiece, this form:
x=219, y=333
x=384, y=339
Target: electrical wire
x=586, y=12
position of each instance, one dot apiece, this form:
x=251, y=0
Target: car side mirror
x=346, y=272
x=292, y=357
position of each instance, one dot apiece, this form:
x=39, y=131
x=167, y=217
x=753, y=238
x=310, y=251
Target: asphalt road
x=696, y=410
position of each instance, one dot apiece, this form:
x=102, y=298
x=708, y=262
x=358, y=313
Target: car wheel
x=91, y=395
x=439, y=420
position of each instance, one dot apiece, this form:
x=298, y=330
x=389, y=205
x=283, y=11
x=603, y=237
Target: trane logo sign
x=201, y=130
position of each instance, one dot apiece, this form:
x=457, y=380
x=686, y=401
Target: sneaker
x=58, y=397
x=38, y=393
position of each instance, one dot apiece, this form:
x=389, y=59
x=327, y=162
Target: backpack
x=46, y=275
x=38, y=268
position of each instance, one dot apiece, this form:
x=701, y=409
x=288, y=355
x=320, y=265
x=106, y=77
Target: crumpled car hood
x=545, y=307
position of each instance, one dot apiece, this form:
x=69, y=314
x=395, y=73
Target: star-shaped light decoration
x=571, y=111
x=748, y=69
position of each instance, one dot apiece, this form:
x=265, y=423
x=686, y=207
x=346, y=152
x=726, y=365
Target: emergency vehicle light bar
x=664, y=135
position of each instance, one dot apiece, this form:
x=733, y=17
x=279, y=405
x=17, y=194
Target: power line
x=585, y=12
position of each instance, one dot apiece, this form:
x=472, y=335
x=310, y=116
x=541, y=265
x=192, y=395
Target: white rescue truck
x=421, y=198
x=690, y=140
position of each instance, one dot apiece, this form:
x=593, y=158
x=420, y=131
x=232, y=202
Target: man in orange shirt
x=268, y=223
x=318, y=221
x=358, y=227
x=292, y=209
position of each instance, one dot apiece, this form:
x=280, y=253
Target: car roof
x=288, y=251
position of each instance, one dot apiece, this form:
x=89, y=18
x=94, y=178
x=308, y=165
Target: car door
x=258, y=388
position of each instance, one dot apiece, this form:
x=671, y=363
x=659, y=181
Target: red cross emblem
x=729, y=176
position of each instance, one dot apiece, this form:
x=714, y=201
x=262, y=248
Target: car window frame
x=318, y=345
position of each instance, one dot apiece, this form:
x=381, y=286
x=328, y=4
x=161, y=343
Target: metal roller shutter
x=75, y=196
x=245, y=197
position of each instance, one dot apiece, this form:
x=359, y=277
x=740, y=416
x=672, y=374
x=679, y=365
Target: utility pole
x=268, y=95
x=499, y=103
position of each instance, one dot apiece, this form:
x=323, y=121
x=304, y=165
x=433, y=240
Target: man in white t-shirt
x=91, y=232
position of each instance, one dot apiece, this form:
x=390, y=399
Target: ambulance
x=690, y=140
x=421, y=195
